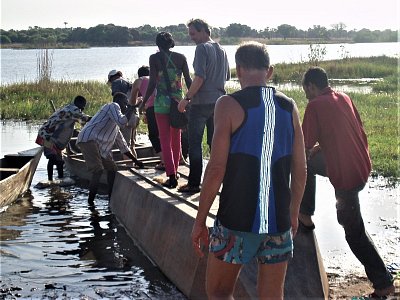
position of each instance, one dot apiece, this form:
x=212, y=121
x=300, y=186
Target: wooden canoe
x=16, y=174
x=160, y=221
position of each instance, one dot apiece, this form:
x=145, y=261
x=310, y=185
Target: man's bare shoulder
x=227, y=103
x=228, y=110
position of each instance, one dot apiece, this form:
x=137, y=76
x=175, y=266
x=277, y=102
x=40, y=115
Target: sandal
x=170, y=183
x=189, y=189
x=160, y=167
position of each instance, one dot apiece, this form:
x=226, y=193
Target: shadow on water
x=54, y=245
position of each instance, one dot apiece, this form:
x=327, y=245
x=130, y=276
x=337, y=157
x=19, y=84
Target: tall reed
x=44, y=65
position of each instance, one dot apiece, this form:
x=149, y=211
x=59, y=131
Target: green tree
x=339, y=30
x=286, y=31
x=364, y=36
x=78, y=35
x=238, y=30
x=135, y=34
x=318, y=32
x=4, y=39
x=147, y=33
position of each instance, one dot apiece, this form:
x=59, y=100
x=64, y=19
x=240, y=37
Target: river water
x=95, y=63
x=54, y=246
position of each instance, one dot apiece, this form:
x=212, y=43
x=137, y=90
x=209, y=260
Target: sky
x=258, y=14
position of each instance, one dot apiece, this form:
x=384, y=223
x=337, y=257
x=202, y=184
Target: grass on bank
x=347, y=68
x=31, y=101
x=378, y=110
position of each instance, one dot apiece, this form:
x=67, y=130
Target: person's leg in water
x=349, y=216
x=54, y=158
x=110, y=181
x=94, y=185
x=111, y=168
x=50, y=165
x=94, y=164
x=59, y=164
x=60, y=169
x=54, y=161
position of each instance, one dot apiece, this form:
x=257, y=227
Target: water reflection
x=354, y=86
x=53, y=245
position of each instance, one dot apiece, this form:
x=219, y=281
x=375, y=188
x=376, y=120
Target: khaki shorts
x=94, y=161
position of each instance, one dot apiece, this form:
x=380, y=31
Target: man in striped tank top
x=258, y=155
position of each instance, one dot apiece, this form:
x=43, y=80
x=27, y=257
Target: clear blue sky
x=258, y=14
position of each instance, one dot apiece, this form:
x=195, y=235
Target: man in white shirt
x=97, y=139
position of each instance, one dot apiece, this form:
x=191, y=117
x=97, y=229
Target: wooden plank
x=13, y=170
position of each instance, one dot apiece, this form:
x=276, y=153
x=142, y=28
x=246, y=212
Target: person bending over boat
x=97, y=138
x=55, y=134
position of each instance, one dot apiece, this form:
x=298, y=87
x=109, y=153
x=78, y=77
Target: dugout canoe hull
x=16, y=174
x=160, y=221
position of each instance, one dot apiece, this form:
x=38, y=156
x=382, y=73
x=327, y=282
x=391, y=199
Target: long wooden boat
x=160, y=222
x=16, y=174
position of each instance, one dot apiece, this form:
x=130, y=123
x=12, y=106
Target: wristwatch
x=186, y=98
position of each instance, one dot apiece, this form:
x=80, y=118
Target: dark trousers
x=185, y=142
x=200, y=116
x=153, y=129
x=349, y=216
x=54, y=160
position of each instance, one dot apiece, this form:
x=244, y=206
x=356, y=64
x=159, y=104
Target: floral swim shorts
x=237, y=247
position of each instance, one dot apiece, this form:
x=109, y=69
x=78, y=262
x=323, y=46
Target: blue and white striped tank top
x=255, y=196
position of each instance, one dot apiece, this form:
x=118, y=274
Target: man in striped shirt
x=97, y=139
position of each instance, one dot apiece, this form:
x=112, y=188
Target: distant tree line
x=112, y=35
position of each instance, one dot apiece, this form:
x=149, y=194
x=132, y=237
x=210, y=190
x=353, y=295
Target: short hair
x=120, y=98
x=143, y=71
x=165, y=41
x=317, y=76
x=80, y=102
x=200, y=24
x=252, y=55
